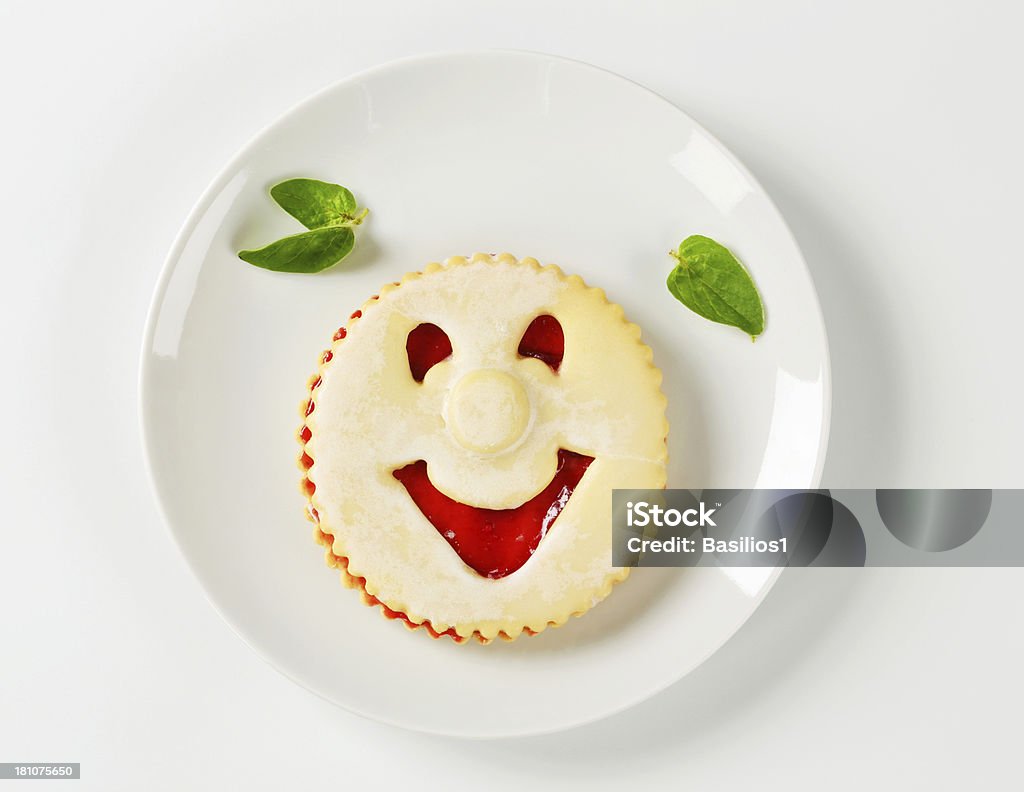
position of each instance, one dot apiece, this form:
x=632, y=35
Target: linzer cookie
x=462, y=439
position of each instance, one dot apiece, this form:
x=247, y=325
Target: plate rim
x=222, y=178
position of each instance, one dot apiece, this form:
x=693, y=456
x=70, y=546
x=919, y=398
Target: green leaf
x=315, y=203
x=710, y=281
x=330, y=213
x=310, y=251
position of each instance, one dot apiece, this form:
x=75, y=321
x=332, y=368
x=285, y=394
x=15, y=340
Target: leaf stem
x=350, y=221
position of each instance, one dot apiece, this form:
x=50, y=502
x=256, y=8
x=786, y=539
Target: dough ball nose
x=488, y=411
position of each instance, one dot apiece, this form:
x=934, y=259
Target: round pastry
x=462, y=439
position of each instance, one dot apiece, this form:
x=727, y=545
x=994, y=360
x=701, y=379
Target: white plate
x=456, y=153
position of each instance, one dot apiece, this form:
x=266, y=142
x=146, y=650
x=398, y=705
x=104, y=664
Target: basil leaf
x=315, y=203
x=710, y=281
x=311, y=251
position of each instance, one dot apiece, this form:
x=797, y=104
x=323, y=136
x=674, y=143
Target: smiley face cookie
x=462, y=440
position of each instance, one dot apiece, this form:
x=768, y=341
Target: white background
x=890, y=135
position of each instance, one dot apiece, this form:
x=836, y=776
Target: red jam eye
x=544, y=340
x=426, y=345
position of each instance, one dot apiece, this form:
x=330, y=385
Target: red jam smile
x=495, y=542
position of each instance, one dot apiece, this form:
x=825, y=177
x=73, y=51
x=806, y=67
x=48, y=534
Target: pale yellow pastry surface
x=489, y=424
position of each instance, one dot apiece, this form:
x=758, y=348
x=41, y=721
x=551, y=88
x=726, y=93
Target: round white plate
x=457, y=153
